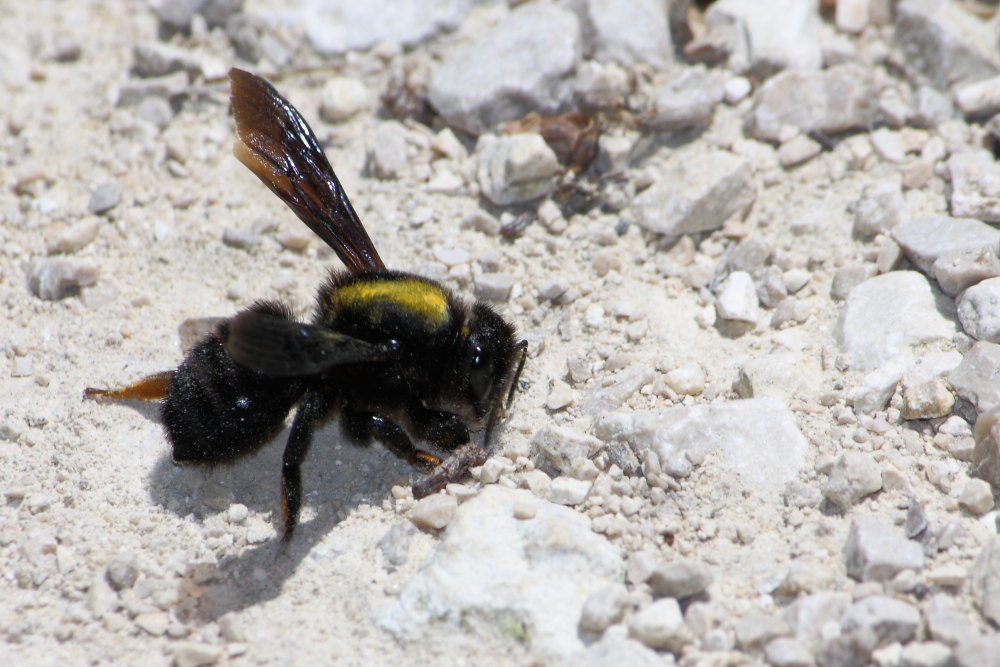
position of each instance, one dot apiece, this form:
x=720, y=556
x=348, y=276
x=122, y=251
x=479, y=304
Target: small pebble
x=560, y=396
x=495, y=287
x=22, y=367
x=237, y=513
x=875, y=551
x=737, y=298
x=295, y=241
x=244, y=239
x=54, y=278
x=976, y=497
x=680, y=579
x=604, y=608
x=567, y=491
x=947, y=576
x=687, y=380
x=76, y=237
x=153, y=623
x=854, y=475
x=104, y=198
x=433, y=512
x=191, y=654
x=121, y=571
x=660, y=625
x=342, y=98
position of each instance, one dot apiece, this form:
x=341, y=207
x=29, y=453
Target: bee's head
x=489, y=362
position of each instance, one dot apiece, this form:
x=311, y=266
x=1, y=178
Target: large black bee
x=392, y=353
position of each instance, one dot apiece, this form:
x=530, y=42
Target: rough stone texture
x=876, y=552
x=957, y=270
x=930, y=107
x=787, y=652
x=887, y=316
x=520, y=65
x=779, y=375
x=680, y=579
x=890, y=619
x=76, y=236
x=696, y=193
x=975, y=379
x=516, y=168
x=758, y=628
x=979, y=98
x=945, y=43
x=976, y=496
x=539, y=568
x=877, y=387
x=565, y=448
x=105, y=197
x=925, y=397
x=828, y=101
x=797, y=150
x=660, y=625
x=604, y=608
x=946, y=621
x=626, y=31
x=434, y=512
x=622, y=385
x=975, y=185
x=388, y=151
x=810, y=614
x=758, y=437
x=343, y=96
x=978, y=310
x=853, y=476
x=614, y=649
x=986, y=455
x=684, y=102
x=797, y=22
x=343, y=25
x=986, y=580
x=878, y=209
x=737, y=298
x=58, y=277
x=979, y=652
x=925, y=239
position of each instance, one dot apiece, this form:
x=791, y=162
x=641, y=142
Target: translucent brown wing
x=276, y=144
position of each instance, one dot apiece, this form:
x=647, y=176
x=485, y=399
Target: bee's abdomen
x=392, y=304
x=217, y=410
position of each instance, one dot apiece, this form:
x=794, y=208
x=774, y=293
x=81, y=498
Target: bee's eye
x=480, y=373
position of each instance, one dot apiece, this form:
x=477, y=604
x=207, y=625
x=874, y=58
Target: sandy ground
x=86, y=484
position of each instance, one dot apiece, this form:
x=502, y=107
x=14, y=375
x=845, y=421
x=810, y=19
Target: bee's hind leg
x=150, y=388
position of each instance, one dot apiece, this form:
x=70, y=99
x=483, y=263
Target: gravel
x=759, y=415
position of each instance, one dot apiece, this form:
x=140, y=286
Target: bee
x=393, y=354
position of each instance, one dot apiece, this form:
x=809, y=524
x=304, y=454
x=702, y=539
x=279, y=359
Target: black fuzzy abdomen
x=217, y=410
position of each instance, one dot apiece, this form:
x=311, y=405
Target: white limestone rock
x=757, y=437
x=695, y=193
x=494, y=574
x=888, y=316
x=522, y=64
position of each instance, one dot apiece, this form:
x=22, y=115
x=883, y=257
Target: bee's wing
x=276, y=144
x=279, y=347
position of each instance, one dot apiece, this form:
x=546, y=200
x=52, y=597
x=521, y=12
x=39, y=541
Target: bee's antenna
x=521, y=347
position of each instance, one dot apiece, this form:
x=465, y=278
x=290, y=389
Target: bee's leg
x=311, y=411
x=363, y=426
x=150, y=388
x=443, y=429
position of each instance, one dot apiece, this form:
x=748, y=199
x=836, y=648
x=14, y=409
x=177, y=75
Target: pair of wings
x=276, y=144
